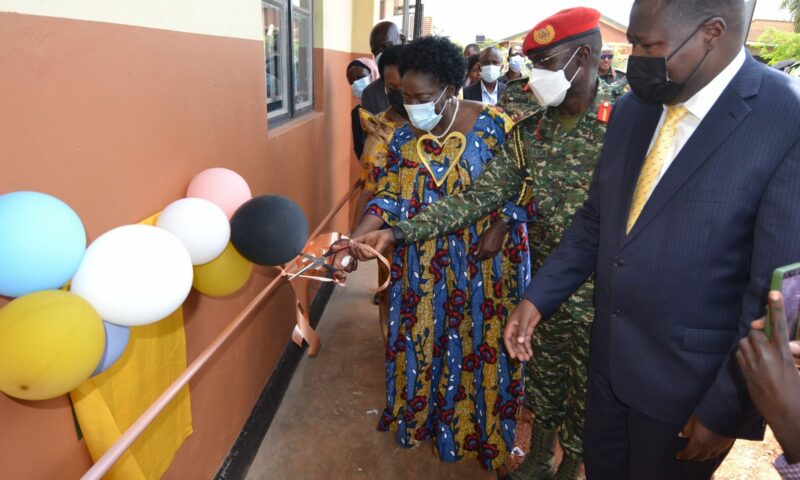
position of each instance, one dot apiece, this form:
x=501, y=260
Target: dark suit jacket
x=359, y=136
x=474, y=92
x=674, y=296
x=374, y=98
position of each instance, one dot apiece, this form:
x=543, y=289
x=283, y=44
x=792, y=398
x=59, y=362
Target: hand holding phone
x=787, y=281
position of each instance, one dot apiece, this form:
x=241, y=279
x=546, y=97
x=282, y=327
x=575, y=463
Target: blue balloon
x=116, y=341
x=42, y=242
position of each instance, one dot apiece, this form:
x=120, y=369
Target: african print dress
x=448, y=376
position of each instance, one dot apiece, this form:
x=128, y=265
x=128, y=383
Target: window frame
x=289, y=12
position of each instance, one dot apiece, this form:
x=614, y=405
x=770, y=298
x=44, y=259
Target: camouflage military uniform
x=557, y=163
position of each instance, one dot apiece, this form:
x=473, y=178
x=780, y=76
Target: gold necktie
x=654, y=162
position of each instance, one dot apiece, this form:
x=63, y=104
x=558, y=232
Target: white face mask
x=516, y=63
x=423, y=115
x=359, y=85
x=378, y=58
x=550, y=88
x=490, y=73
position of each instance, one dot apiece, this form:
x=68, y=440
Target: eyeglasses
x=544, y=62
x=606, y=56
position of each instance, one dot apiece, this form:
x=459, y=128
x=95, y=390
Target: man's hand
x=519, y=330
x=491, y=240
x=772, y=378
x=703, y=443
x=380, y=240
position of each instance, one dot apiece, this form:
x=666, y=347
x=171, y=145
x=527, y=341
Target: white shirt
x=698, y=106
x=489, y=97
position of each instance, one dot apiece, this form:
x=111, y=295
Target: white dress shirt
x=489, y=97
x=698, y=106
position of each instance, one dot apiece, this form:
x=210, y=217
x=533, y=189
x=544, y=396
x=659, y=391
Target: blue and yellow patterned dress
x=448, y=376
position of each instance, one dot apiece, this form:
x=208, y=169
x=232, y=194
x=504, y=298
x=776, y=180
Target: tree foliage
x=777, y=45
x=794, y=9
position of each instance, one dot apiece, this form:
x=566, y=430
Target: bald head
x=490, y=56
x=698, y=38
x=383, y=36
x=689, y=14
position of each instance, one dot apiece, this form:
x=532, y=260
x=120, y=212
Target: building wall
x=113, y=107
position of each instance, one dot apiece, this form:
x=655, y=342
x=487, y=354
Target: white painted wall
x=227, y=18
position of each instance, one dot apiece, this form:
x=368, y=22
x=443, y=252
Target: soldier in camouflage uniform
x=553, y=152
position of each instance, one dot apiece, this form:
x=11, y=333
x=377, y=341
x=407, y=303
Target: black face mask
x=649, y=78
x=396, y=101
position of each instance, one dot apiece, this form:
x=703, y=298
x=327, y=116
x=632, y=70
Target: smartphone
x=787, y=281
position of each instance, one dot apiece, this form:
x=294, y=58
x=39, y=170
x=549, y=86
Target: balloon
x=269, y=230
x=225, y=188
x=224, y=275
x=200, y=225
x=117, y=338
x=134, y=275
x=50, y=342
x=42, y=241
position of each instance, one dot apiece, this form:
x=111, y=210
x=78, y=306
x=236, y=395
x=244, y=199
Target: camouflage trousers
x=555, y=378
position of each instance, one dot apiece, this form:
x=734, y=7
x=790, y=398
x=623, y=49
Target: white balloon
x=202, y=227
x=134, y=275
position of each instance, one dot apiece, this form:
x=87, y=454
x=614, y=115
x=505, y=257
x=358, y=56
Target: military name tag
x=538, y=152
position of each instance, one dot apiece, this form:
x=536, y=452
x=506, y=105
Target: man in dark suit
x=489, y=88
x=692, y=205
x=382, y=36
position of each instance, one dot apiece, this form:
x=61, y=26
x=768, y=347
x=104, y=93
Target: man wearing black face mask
x=692, y=206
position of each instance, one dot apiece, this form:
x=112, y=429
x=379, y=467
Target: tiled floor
x=325, y=427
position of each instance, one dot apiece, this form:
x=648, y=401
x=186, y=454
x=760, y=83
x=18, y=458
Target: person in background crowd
x=768, y=366
x=360, y=73
x=379, y=129
x=447, y=376
x=471, y=49
x=488, y=89
x=606, y=71
x=473, y=70
x=516, y=61
x=382, y=36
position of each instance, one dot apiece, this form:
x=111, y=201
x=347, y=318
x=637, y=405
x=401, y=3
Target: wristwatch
x=399, y=236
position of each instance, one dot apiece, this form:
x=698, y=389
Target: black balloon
x=269, y=230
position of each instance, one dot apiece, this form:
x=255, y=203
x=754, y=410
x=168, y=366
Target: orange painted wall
x=115, y=120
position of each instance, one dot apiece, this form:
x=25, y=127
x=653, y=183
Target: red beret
x=560, y=27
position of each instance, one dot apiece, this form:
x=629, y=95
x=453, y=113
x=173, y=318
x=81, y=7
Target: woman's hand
x=491, y=241
x=380, y=240
x=342, y=259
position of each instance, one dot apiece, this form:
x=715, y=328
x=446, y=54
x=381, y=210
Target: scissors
x=316, y=263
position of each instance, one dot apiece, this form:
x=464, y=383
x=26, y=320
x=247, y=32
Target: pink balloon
x=225, y=188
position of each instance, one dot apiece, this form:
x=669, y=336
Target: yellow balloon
x=224, y=275
x=50, y=342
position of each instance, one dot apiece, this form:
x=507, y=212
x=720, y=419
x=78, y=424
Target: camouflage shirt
x=554, y=161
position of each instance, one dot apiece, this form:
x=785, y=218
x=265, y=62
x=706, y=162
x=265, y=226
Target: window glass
x=288, y=56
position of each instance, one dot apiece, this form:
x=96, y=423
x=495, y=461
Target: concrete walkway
x=325, y=427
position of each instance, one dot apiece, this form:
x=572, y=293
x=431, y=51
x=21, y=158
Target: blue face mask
x=359, y=85
x=516, y=63
x=423, y=115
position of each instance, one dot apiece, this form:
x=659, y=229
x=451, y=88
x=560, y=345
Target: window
x=288, y=55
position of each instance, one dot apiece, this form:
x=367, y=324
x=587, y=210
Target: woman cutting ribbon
x=448, y=378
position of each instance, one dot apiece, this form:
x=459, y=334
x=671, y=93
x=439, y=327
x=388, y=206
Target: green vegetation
x=777, y=46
